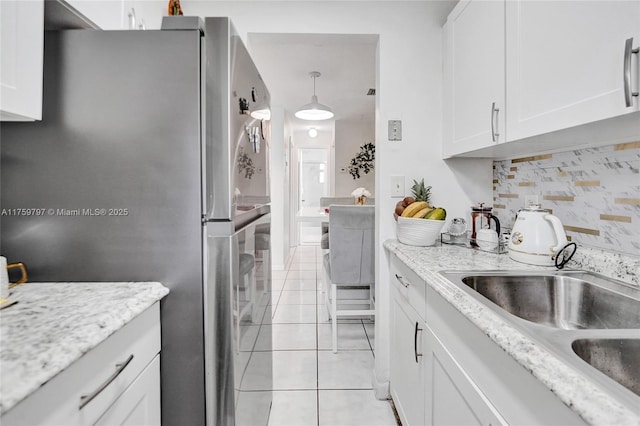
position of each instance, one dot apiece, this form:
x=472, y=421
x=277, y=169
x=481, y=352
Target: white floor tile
x=302, y=266
x=253, y=407
x=248, y=336
x=300, y=284
x=350, y=336
x=353, y=408
x=302, y=361
x=287, y=337
x=277, y=285
x=300, y=250
x=299, y=275
x=345, y=370
x=294, y=408
x=300, y=297
x=294, y=370
x=370, y=329
x=279, y=275
x=275, y=297
x=295, y=314
x=307, y=258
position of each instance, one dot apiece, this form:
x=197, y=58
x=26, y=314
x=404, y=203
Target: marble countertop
x=54, y=324
x=593, y=403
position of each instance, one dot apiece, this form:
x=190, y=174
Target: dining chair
x=327, y=202
x=349, y=265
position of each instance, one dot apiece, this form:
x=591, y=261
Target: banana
x=422, y=213
x=414, y=208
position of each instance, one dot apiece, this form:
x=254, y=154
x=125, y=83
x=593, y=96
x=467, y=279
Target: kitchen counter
x=583, y=395
x=54, y=324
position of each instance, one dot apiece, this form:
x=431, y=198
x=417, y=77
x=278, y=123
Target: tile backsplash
x=594, y=191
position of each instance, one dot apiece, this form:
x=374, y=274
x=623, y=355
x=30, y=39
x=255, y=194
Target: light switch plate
x=397, y=186
x=395, y=130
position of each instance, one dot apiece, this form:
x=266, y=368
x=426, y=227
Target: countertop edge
x=154, y=292
x=588, y=399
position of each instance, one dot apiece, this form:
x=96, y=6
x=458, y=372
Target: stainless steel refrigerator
x=147, y=166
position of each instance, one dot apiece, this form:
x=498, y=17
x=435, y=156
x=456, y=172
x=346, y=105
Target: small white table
x=312, y=215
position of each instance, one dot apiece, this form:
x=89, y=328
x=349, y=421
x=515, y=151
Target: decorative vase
x=174, y=8
x=361, y=200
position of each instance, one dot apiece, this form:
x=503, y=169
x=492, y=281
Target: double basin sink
x=591, y=321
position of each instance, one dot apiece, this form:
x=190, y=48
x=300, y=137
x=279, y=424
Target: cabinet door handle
x=628, y=51
x=85, y=399
x=415, y=342
x=494, y=122
x=402, y=281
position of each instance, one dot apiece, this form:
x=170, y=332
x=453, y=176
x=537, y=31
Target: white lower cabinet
x=453, y=398
x=446, y=371
x=115, y=383
x=140, y=403
x=407, y=364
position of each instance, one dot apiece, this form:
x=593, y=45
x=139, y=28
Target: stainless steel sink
x=559, y=301
x=617, y=358
x=579, y=316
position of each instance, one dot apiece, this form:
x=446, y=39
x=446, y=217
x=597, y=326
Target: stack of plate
x=419, y=232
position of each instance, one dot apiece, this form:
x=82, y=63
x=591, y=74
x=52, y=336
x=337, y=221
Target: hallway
x=312, y=385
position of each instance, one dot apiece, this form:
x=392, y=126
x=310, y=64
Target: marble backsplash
x=594, y=191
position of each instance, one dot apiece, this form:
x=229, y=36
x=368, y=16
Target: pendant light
x=314, y=110
x=262, y=112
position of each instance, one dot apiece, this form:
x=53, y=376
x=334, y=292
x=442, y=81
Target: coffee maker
x=481, y=215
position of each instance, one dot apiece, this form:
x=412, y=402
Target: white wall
x=408, y=87
x=279, y=190
x=350, y=136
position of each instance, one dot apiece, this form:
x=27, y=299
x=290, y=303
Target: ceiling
x=347, y=64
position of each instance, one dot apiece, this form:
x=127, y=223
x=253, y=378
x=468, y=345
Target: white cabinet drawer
x=140, y=403
x=409, y=286
x=99, y=372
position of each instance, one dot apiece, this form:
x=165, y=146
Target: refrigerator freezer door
x=238, y=325
x=236, y=146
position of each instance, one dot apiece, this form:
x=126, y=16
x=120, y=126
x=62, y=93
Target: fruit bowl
x=418, y=232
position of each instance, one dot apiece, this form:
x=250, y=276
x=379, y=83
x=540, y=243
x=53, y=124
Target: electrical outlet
x=531, y=199
x=397, y=186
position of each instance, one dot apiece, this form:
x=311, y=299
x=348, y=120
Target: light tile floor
x=312, y=385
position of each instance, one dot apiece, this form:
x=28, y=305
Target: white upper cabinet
x=568, y=67
x=21, y=56
x=474, y=76
x=566, y=63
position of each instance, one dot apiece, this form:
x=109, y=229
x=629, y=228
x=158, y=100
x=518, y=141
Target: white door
x=565, y=63
x=474, y=67
x=313, y=183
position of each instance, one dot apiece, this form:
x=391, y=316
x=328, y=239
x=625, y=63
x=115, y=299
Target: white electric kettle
x=537, y=237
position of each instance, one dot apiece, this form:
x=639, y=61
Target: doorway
x=313, y=183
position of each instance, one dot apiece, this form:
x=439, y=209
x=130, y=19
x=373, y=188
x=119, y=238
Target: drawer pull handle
x=402, y=281
x=85, y=399
x=628, y=51
x=415, y=343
